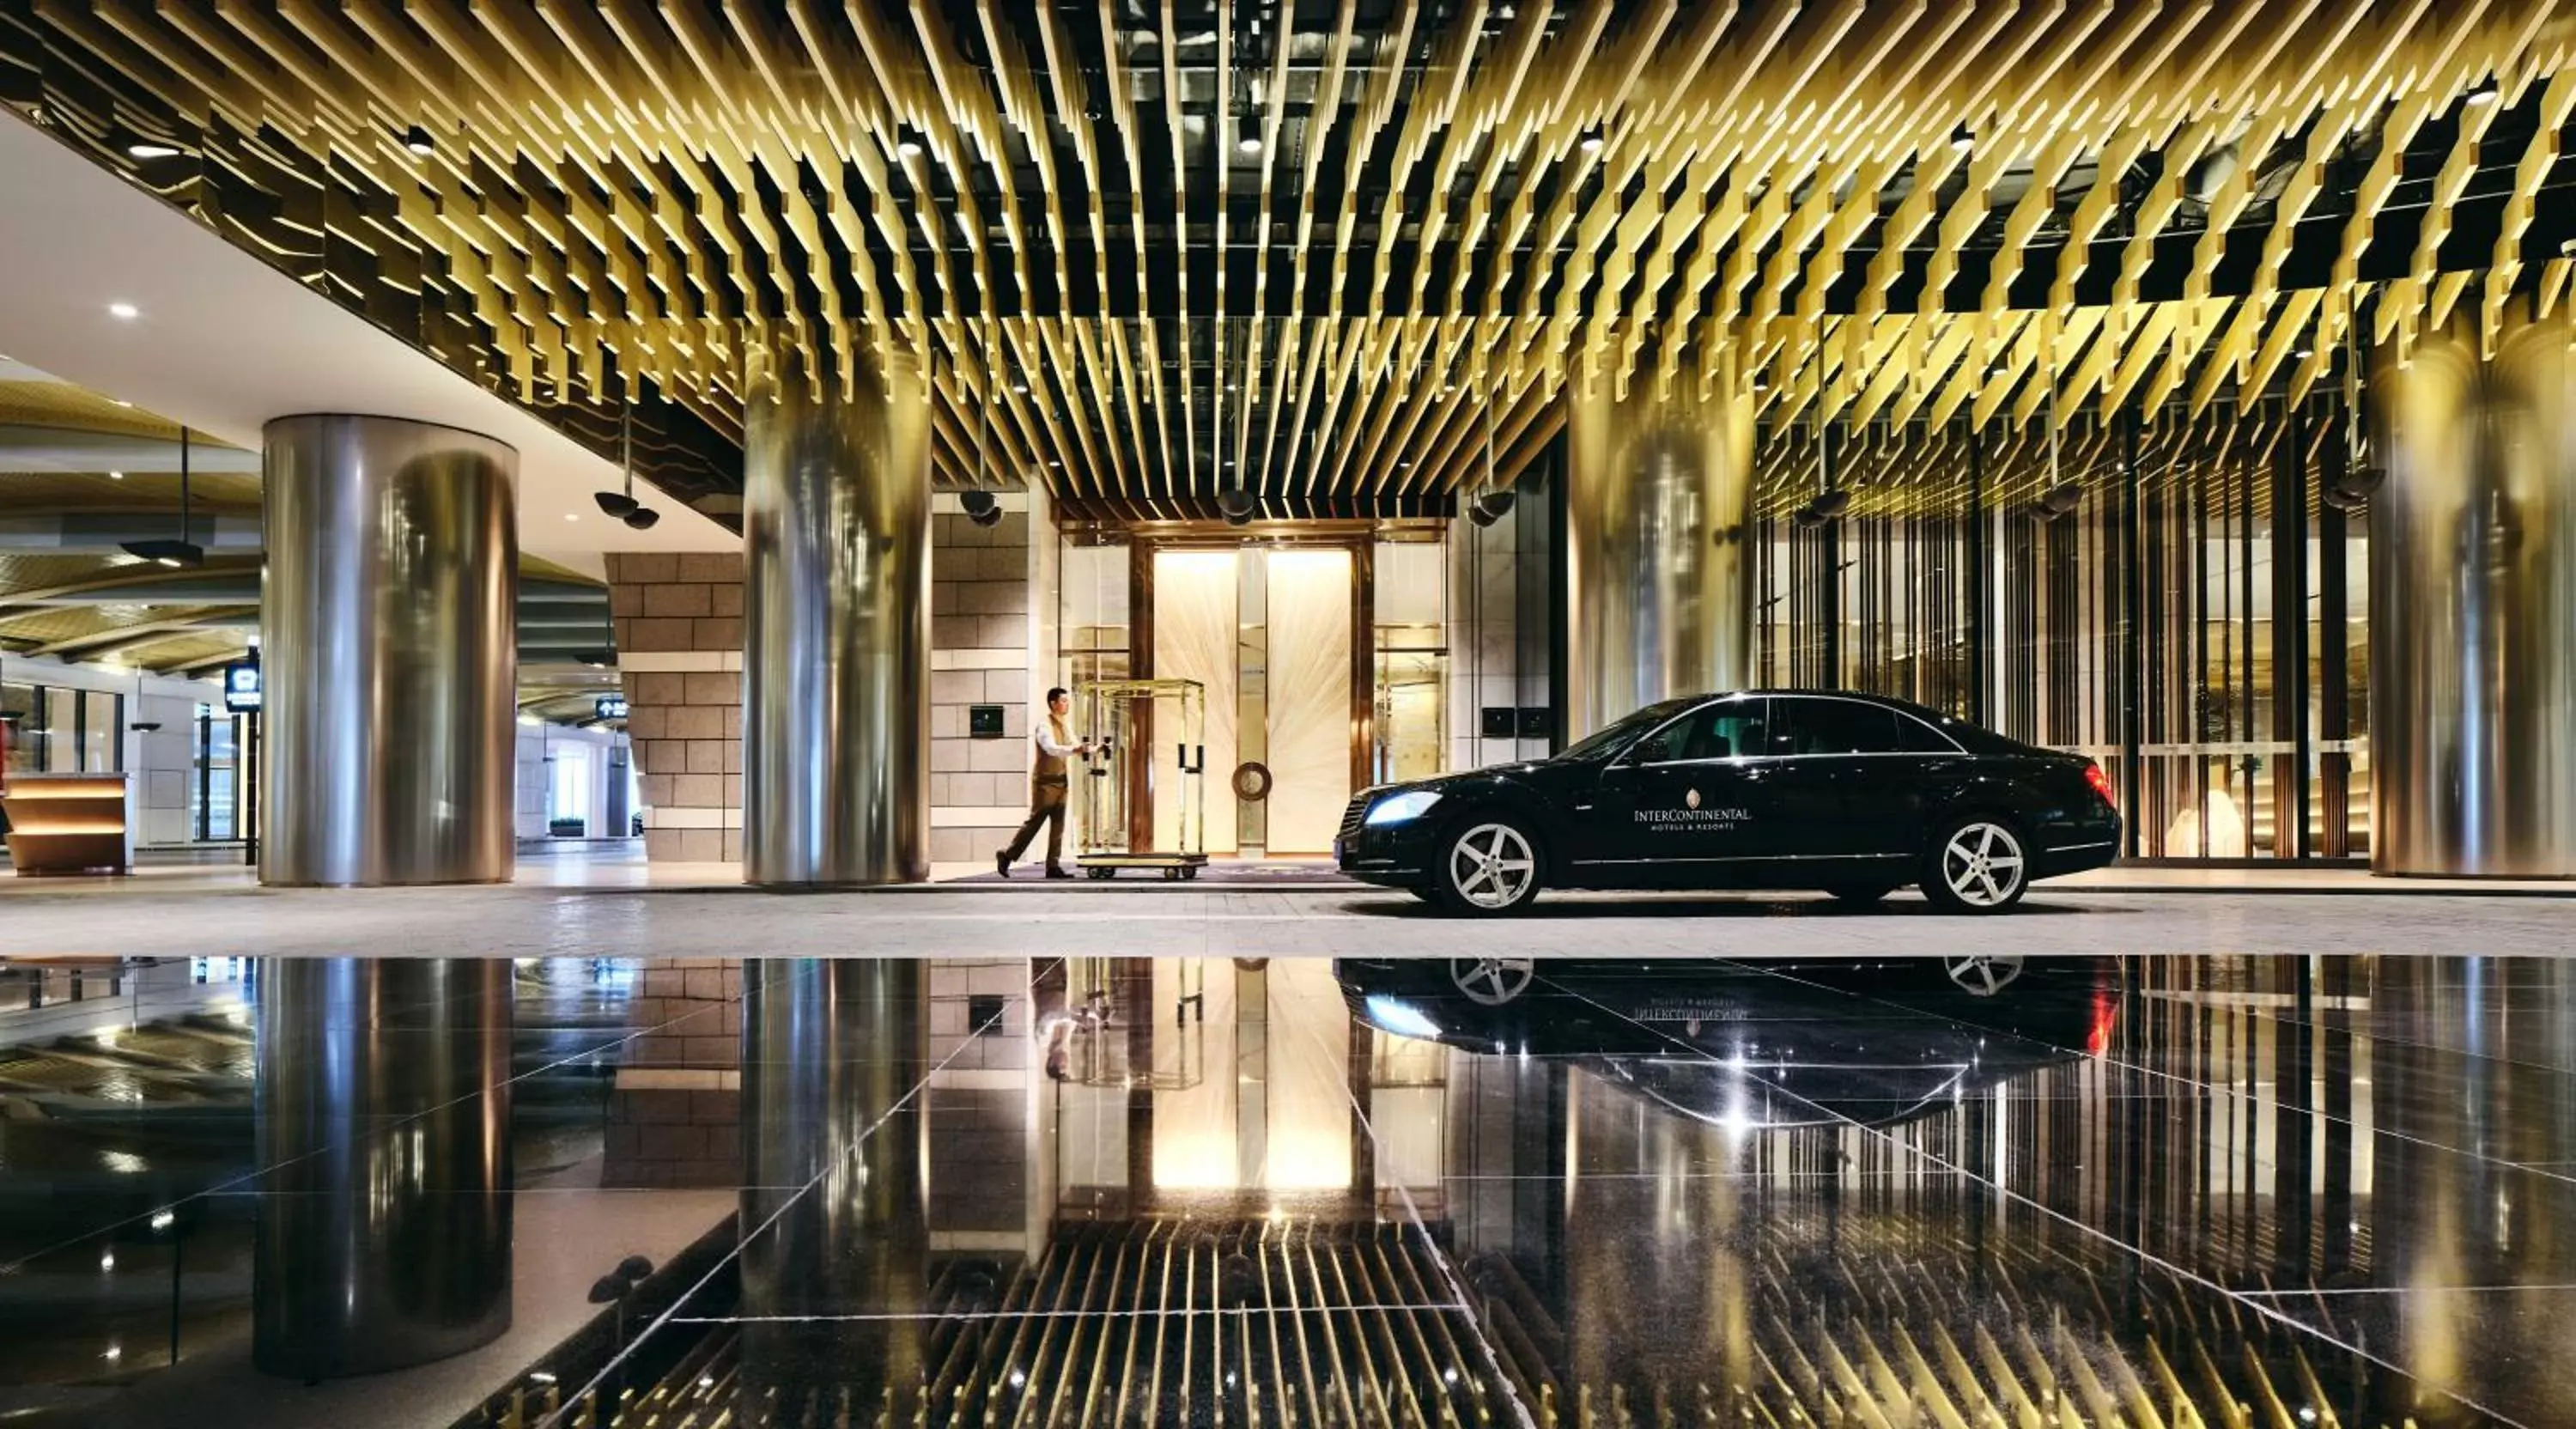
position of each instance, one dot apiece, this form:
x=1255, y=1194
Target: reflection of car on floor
x=1757, y=1043
x=1852, y=794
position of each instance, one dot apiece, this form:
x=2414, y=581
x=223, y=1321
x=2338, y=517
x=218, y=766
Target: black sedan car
x=1854, y=795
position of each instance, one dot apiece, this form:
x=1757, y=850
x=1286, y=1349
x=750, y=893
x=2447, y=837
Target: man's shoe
x=1055, y=872
x=1002, y=863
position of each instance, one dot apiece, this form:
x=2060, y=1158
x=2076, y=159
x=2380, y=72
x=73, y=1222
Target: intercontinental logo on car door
x=1692, y=816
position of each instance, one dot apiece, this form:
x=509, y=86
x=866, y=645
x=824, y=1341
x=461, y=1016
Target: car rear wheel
x=1487, y=866
x=1978, y=864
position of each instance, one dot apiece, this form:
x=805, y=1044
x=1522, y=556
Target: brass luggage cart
x=1152, y=758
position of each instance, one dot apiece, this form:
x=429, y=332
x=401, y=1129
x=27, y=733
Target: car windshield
x=1620, y=733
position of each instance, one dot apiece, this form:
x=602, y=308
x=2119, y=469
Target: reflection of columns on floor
x=2473, y=604
x=832, y=1202
x=836, y=536
x=384, y=1115
x=387, y=633
x=1659, y=570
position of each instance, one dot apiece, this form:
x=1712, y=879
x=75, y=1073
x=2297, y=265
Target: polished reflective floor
x=2142, y=1191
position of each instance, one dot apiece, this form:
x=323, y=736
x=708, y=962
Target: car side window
x=1914, y=736
x=1833, y=727
x=1728, y=729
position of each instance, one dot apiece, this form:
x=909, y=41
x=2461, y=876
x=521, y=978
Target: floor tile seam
x=1140, y=1313
x=2358, y=1290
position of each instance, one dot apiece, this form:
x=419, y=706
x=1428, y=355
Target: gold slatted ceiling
x=1651, y=192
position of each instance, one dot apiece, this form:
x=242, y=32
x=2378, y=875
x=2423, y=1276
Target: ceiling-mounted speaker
x=1490, y=507
x=1236, y=505
x=642, y=518
x=1832, y=504
x=2061, y=498
x=981, y=507
x=615, y=504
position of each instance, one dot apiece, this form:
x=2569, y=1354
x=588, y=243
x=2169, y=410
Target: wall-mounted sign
x=610, y=707
x=984, y=721
x=241, y=686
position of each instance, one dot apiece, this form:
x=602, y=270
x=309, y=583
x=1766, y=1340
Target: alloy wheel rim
x=1492, y=981
x=1984, y=974
x=1491, y=866
x=1982, y=864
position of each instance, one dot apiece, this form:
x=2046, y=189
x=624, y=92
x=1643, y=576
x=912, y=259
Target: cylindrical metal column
x=384, y=1120
x=390, y=662
x=836, y=727
x=2473, y=605
x=834, y=1229
x=1658, y=553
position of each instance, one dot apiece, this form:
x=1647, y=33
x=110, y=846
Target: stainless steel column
x=389, y=655
x=836, y=727
x=2473, y=606
x=1658, y=554
x=384, y=1125
x=835, y=1239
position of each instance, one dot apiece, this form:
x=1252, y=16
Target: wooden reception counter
x=66, y=823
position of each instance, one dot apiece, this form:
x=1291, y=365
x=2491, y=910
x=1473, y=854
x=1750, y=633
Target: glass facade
x=63, y=731
x=2183, y=599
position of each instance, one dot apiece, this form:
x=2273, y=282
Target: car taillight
x=2101, y=783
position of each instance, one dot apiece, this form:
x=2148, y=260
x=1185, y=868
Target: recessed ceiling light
x=907, y=148
x=418, y=141
x=120, y=401
x=1592, y=140
x=124, y=312
x=2303, y=354
x=146, y=149
x=2485, y=93
x=116, y=476
x=572, y=516
x=1963, y=138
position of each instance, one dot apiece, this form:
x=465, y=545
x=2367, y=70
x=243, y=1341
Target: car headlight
x=1401, y=1018
x=1402, y=807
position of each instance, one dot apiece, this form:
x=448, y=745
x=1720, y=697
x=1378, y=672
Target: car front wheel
x=1487, y=866
x=1977, y=864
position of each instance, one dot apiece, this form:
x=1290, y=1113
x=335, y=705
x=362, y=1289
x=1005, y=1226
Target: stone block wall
x=679, y=656
x=981, y=634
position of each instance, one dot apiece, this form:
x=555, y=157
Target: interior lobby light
x=1250, y=140
x=417, y=139
x=124, y=313
x=2485, y=93
x=1592, y=139
x=1963, y=139
x=116, y=476
x=148, y=149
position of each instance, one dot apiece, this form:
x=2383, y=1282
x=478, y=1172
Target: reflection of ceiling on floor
x=1341, y=255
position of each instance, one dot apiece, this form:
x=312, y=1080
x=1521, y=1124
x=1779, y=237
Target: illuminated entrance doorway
x=1312, y=693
